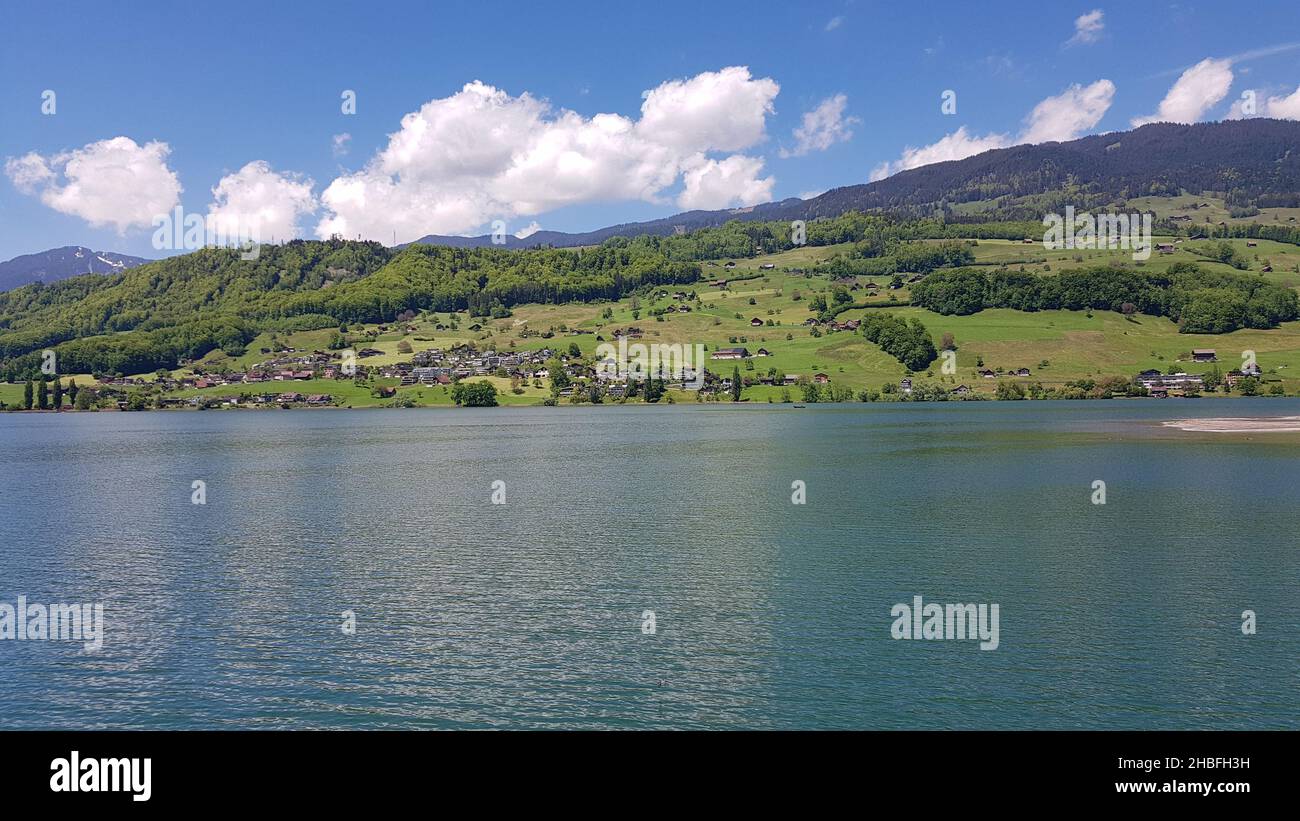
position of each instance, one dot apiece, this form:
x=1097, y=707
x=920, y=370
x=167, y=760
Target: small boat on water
x=801, y=406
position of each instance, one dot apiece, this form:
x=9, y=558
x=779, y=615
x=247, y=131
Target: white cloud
x=1065, y=116
x=822, y=127
x=28, y=172
x=723, y=183
x=257, y=202
x=717, y=110
x=1281, y=108
x=834, y=23
x=113, y=182
x=525, y=233
x=808, y=195
x=1199, y=89
x=1088, y=28
x=340, y=143
x=955, y=146
x=1069, y=114
x=1284, y=108
x=481, y=154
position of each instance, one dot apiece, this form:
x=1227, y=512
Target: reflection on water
x=769, y=614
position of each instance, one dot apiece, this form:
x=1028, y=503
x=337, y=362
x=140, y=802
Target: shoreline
x=1237, y=424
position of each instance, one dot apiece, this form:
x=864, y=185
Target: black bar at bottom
x=335, y=770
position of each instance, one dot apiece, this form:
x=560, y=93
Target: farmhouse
x=988, y=374
x=756, y=323
x=821, y=378
x=730, y=353
x=1203, y=355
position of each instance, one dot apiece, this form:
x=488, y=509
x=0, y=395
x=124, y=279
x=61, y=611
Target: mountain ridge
x=61, y=263
x=1255, y=161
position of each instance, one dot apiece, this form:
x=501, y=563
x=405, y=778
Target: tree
x=474, y=394
x=27, y=395
x=735, y=385
x=58, y=394
x=574, y=351
x=43, y=394
x=73, y=390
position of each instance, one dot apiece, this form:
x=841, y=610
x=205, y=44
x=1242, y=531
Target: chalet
x=762, y=352
x=988, y=374
x=960, y=390
x=906, y=385
x=618, y=390
x=289, y=397
x=1158, y=392
x=767, y=266
x=730, y=353
x=385, y=392
x=1251, y=369
x=319, y=399
x=755, y=323
x=790, y=379
x=1203, y=355
x=730, y=265
x=1022, y=372
x=821, y=378
x=1165, y=248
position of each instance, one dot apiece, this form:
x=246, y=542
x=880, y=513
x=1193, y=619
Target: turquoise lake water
x=768, y=614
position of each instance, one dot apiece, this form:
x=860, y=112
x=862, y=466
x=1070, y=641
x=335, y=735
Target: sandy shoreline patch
x=1246, y=424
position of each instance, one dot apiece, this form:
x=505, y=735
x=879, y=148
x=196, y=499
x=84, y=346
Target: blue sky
x=200, y=92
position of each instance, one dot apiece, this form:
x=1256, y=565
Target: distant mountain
x=1252, y=162
x=61, y=263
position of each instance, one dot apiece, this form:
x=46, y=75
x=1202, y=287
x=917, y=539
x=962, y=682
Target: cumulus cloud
x=834, y=23
x=258, y=202
x=1088, y=28
x=1199, y=89
x=1065, y=116
x=532, y=228
x=340, y=143
x=955, y=146
x=1281, y=108
x=114, y=182
x=822, y=127
x=721, y=183
x=480, y=154
x=1068, y=115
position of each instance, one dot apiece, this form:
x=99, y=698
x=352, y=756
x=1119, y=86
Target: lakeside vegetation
x=1076, y=319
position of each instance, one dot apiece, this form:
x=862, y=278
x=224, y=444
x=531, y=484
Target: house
x=767, y=266
x=988, y=374
x=1158, y=392
x=1251, y=369
x=730, y=353
x=289, y=397
x=960, y=390
x=821, y=378
x=756, y=323
x=1022, y=372
x=1203, y=355
x=906, y=385
x=1165, y=247
x=762, y=352
x=1179, y=381
x=319, y=399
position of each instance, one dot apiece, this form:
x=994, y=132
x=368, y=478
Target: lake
x=766, y=614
